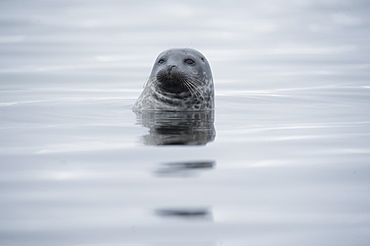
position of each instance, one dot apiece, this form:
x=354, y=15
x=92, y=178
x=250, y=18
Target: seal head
x=181, y=80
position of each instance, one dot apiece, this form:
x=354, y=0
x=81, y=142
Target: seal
x=180, y=80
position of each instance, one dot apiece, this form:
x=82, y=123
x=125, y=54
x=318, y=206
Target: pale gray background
x=292, y=151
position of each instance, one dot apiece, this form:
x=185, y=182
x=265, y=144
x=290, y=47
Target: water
x=286, y=161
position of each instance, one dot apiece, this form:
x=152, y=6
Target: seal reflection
x=185, y=213
x=177, y=128
x=184, y=169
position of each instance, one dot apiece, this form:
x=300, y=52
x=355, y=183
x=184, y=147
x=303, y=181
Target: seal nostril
x=170, y=67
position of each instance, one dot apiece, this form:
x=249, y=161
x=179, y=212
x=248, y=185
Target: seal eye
x=161, y=61
x=189, y=61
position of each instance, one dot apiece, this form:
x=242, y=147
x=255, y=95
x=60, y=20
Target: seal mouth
x=172, y=80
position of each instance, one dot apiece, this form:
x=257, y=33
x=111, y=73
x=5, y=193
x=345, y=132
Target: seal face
x=181, y=80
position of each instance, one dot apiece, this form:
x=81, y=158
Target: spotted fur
x=181, y=80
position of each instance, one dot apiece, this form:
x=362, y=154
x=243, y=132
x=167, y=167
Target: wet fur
x=178, y=86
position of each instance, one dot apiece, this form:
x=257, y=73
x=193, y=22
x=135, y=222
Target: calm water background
x=290, y=160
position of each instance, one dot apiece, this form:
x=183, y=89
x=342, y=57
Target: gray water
x=285, y=162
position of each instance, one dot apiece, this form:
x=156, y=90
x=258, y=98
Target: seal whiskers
x=196, y=90
x=181, y=80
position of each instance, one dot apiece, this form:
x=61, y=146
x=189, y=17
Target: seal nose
x=170, y=67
